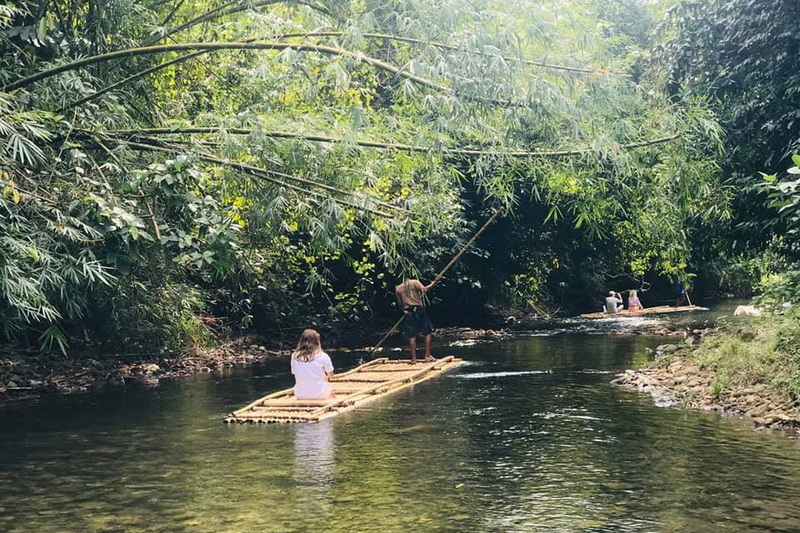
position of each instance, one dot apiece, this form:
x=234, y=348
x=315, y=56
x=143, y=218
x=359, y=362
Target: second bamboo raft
x=353, y=388
x=663, y=309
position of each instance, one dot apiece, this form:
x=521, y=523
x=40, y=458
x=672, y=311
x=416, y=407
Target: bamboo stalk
x=290, y=403
x=265, y=175
x=445, y=47
x=129, y=79
x=275, y=46
x=240, y=45
x=217, y=13
x=382, y=145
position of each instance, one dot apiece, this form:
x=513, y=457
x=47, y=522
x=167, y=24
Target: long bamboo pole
x=441, y=274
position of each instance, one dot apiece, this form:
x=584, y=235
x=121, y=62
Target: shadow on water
x=527, y=436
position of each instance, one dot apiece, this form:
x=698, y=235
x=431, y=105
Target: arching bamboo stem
x=382, y=145
x=444, y=46
x=267, y=175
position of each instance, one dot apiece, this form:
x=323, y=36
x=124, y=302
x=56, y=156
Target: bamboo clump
x=353, y=388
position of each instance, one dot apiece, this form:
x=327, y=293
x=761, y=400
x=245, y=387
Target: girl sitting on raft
x=633, y=302
x=312, y=368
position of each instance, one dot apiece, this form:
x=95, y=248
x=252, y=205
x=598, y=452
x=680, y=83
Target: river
x=527, y=436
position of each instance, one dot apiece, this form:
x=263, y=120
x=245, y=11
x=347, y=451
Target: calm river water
x=528, y=436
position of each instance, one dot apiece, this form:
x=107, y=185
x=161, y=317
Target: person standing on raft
x=415, y=317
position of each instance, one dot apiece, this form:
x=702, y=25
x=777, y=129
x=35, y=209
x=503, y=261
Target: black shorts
x=415, y=322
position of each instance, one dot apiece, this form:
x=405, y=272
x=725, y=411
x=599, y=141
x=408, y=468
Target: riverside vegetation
x=746, y=370
x=178, y=178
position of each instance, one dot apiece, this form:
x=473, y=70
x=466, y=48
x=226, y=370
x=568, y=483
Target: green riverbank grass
x=764, y=351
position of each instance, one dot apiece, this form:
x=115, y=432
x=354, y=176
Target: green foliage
x=766, y=352
x=718, y=386
x=781, y=290
x=740, y=55
x=743, y=53
x=271, y=174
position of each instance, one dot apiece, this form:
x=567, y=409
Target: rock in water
x=747, y=310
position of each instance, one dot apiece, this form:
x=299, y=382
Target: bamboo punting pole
x=689, y=299
x=441, y=274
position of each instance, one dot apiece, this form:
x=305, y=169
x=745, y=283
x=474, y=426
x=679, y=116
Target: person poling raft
x=415, y=322
x=410, y=295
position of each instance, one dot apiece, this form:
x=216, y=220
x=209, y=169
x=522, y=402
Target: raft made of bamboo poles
x=352, y=388
x=659, y=310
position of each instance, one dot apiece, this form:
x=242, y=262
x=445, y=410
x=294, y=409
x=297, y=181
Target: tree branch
x=149, y=50
x=129, y=79
x=214, y=46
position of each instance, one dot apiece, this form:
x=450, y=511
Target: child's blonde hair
x=632, y=293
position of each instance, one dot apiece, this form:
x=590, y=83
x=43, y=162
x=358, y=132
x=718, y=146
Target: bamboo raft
x=660, y=310
x=353, y=388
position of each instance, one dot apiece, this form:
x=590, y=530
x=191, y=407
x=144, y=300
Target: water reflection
x=314, y=455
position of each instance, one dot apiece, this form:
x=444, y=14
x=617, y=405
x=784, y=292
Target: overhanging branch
x=444, y=46
x=380, y=145
x=267, y=175
x=273, y=46
x=220, y=12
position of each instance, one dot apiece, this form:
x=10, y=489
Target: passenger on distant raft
x=415, y=320
x=312, y=368
x=613, y=303
x=634, y=304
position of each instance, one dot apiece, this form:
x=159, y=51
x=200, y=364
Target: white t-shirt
x=309, y=378
x=613, y=305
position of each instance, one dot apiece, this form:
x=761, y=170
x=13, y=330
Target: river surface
x=527, y=436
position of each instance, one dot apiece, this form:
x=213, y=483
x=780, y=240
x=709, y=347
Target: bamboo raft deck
x=659, y=310
x=352, y=388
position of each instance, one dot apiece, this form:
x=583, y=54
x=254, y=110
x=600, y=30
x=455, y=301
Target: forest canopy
x=170, y=169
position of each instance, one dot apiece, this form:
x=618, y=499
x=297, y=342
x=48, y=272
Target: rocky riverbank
x=676, y=378
x=26, y=374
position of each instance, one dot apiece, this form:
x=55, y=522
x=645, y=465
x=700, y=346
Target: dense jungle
x=175, y=173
